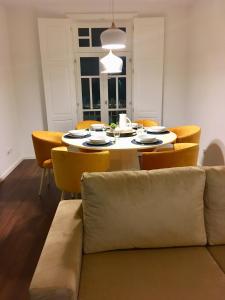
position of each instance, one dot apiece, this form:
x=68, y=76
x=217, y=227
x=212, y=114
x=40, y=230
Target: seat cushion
x=215, y=205
x=143, y=209
x=218, y=253
x=158, y=274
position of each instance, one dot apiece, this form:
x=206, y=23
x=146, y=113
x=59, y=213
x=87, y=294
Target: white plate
x=134, y=125
x=145, y=139
x=78, y=133
x=127, y=130
x=97, y=126
x=98, y=141
x=156, y=129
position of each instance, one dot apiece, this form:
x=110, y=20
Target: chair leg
x=48, y=177
x=42, y=181
x=62, y=196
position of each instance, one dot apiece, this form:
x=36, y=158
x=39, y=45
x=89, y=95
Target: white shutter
x=58, y=73
x=148, y=53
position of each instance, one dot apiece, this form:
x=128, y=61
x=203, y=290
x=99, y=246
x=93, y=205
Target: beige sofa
x=138, y=235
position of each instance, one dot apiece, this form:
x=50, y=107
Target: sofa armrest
x=58, y=271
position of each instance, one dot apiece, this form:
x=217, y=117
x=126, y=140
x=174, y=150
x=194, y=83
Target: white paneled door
x=58, y=73
x=148, y=56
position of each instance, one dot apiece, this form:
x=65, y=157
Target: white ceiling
x=88, y=6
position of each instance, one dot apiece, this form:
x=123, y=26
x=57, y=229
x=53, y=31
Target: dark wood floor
x=25, y=220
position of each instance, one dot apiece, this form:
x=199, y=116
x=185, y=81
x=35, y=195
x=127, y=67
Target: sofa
x=146, y=235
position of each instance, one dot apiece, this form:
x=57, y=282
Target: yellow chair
x=86, y=124
x=187, y=134
x=146, y=122
x=68, y=167
x=183, y=154
x=43, y=142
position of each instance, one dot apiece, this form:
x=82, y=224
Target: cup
x=116, y=133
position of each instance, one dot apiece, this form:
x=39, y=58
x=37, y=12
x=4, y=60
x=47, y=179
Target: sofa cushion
x=218, y=253
x=215, y=205
x=58, y=271
x=157, y=274
x=143, y=209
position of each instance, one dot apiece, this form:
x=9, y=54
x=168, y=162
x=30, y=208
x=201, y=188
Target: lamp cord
x=112, y=6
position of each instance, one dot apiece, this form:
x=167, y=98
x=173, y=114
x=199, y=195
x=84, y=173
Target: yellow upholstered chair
x=187, y=134
x=68, y=167
x=147, y=122
x=43, y=142
x=183, y=154
x=86, y=124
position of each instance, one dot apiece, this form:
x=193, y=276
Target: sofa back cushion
x=143, y=209
x=215, y=205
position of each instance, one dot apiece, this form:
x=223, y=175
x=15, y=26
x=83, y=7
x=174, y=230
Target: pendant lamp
x=113, y=38
x=111, y=63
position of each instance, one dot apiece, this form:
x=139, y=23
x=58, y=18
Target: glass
x=116, y=133
x=96, y=92
x=85, y=93
x=112, y=93
x=84, y=43
x=92, y=115
x=83, y=31
x=95, y=36
x=124, y=69
x=89, y=66
x=122, y=92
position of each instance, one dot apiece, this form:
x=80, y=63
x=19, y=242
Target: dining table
x=124, y=150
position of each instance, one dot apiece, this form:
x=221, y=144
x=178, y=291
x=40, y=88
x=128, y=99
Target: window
x=100, y=96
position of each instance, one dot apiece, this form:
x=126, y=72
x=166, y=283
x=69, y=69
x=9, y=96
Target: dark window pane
x=89, y=66
x=92, y=115
x=95, y=36
x=124, y=65
x=84, y=43
x=96, y=93
x=122, y=92
x=85, y=93
x=114, y=116
x=112, y=92
x=83, y=31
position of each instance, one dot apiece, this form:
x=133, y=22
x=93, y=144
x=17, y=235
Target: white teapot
x=124, y=122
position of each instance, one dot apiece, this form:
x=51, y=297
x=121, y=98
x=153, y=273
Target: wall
x=27, y=74
x=206, y=104
x=10, y=132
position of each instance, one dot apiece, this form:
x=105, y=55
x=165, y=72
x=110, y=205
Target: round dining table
x=123, y=150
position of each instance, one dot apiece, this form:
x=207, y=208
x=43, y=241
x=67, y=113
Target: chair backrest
x=183, y=154
x=68, y=167
x=86, y=124
x=146, y=122
x=187, y=134
x=43, y=142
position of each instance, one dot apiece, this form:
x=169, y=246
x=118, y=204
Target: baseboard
x=29, y=157
x=10, y=169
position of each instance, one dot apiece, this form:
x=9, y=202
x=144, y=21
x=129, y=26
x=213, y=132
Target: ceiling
x=88, y=6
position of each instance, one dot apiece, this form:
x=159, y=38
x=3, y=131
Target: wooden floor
x=24, y=223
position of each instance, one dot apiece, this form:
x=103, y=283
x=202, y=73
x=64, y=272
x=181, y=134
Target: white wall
x=27, y=74
x=206, y=105
x=9, y=125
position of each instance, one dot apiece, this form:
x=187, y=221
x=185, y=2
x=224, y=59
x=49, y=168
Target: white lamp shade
x=113, y=38
x=111, y=63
